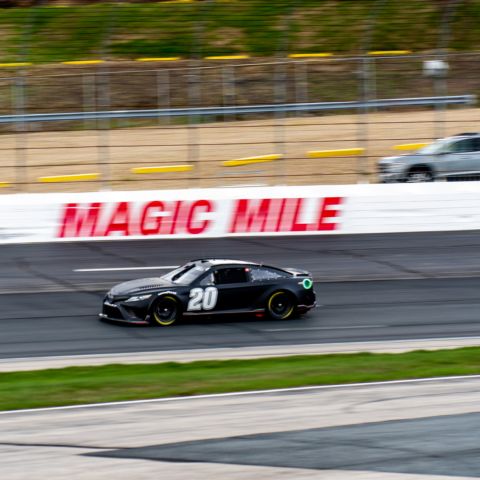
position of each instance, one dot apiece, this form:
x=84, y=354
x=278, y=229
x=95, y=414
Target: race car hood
x=139, y=286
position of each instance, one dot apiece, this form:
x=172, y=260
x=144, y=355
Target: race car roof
x=222, y=261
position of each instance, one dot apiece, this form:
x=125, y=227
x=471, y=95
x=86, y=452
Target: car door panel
x=461, y=159
x=235, y=296
x=470, y=161
x=233, y=288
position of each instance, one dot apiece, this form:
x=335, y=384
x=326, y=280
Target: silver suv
x=456, y=157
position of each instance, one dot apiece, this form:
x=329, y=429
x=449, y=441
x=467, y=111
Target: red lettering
x=328, y=212
x=119, y=222
x=280, y=215
x=296, y=226
x=195, y=226
x=273, y=213
x=250, y=218
x=175, y=217
x=287, y=217
x=79, y=221
x=151, y=219
x=172, y=218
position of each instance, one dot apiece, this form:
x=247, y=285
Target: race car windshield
x=185, y=274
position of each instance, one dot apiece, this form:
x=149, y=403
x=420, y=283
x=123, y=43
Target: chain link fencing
x=229, y=148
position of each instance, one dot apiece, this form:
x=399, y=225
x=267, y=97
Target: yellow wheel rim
x=270, y=302
x=161, y=321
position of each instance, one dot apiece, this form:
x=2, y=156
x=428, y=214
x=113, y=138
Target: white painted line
x=248, y=392
x=307, y=329
x=120, y=269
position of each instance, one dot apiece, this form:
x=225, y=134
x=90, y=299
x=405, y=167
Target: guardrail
x=239, y=110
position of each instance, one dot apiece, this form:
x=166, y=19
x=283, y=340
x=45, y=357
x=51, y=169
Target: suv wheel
x=418, y=175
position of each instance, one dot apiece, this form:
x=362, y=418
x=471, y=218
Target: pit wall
x=252, y=211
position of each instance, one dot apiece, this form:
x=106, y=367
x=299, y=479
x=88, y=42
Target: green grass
x=257, y=27
x=77, y=385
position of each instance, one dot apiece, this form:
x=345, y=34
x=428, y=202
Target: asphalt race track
x=370, y=287
x=392, y=431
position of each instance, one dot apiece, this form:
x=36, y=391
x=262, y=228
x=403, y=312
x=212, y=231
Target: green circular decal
x=307, y=283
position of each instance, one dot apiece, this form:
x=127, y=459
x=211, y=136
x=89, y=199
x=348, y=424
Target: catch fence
x=205, y=106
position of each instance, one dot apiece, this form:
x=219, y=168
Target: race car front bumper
x=118, y=313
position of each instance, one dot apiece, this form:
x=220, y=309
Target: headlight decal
x=138, y=298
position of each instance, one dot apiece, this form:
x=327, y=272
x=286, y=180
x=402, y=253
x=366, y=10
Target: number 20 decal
x=201, y=299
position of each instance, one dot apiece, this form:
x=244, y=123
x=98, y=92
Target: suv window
x=230, y=275
x=464, y=146
x=264, y=274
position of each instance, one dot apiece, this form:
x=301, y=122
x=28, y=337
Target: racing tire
x=165, y=311
x=419, y=175
x=280, y=305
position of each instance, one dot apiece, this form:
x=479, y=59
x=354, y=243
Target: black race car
x=211, y=286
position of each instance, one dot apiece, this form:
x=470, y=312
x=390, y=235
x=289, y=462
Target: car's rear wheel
x=419, y=175
x=280, y=305
x=165, y=311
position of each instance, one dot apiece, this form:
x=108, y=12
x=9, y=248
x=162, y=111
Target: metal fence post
x=440, y=80
x=89, y=103
x=194, y=87
x=280, y=93
x=163, y=92
x=103, y=97
x=103, y=128
x=19, y=101
x=228, y=89
x=281, y=82
x=372, y=79
x=301, y=82
x=193, y=121
x=21, y=127
x=366, y=90
x=440, y=89
x=362, y=119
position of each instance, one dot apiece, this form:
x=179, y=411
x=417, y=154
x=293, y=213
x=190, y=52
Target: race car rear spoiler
x=297, y=273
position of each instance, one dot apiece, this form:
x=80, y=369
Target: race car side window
x=230, y=275
x=264, y=274
x=207, y=280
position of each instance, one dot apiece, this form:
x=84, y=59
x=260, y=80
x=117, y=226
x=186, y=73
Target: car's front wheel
x=165, y=311
x=281, y=305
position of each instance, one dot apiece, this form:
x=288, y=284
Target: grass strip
x=78, y=385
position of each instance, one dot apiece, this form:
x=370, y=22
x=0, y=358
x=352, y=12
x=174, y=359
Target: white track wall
x=303, y=210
